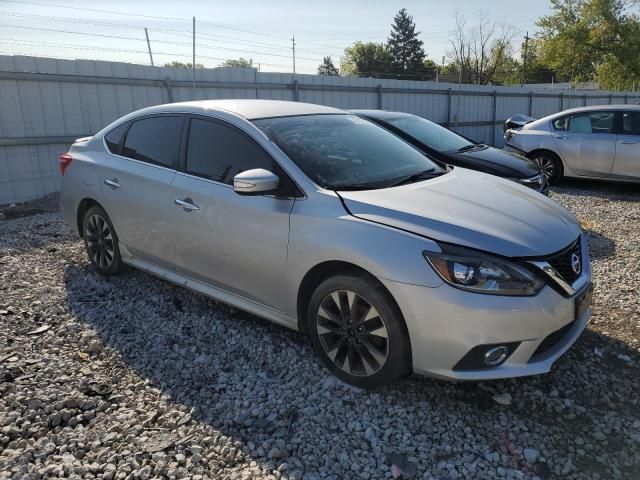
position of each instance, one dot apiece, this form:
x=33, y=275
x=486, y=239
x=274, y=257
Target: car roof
x=381, y=114
x=248, y=108
x=592, y=108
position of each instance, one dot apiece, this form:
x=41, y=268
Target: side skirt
x=217, y=294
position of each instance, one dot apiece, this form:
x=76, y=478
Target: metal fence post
x=610, y=99
x=379, y=93
x=296, y=97
x=493, y=117
x=448, y=107
x=167, y=85
x=561, y=101
x=626, y=99
x=584, y=99
x=530, y=103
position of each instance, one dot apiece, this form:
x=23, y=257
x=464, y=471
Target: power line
x=33, y=43
x=85, y=9
x=24, y=27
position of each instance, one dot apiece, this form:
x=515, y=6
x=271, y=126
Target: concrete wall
x=46, y=103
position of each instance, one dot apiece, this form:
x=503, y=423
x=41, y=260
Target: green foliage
x=587, y=40
x=237, y=63
x=175, y=64
x=404, y=46
x=366, y=59
x=328, y=68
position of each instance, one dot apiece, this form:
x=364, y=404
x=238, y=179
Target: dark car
x=453, y=149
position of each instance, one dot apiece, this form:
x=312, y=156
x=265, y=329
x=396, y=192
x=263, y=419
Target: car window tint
x=592, y=122
x=112, y=139
x=219, y=152
x=631, y=123
x=154, y=140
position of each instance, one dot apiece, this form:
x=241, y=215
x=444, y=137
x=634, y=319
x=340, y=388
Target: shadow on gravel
x=255, y=381
x=609, y=189
x=600, y=246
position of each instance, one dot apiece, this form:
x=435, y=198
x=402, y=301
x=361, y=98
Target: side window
x=592, y=122
x=112, y=138
x=561, y=123
x=154, y=140
x=219, y=152
x=631, y=123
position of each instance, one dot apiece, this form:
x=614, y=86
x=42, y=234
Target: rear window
x=112, y=139
x=590, y=122
x=154, y=140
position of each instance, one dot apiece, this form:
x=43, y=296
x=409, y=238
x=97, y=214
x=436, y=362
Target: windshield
x=429, y=133
x=345, y=151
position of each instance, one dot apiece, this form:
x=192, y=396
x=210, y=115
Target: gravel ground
x=132, y=377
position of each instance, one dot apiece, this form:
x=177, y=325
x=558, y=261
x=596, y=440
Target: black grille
x=562, y=262
x=552, y=340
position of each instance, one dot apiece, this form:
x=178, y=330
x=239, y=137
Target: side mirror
x=255, y=182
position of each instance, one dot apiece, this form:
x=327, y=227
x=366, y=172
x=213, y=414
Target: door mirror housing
x=257, y=181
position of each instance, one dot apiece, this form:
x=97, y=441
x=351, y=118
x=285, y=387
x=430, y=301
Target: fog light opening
x=496, y=355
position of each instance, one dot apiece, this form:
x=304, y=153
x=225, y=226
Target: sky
x=253, y=29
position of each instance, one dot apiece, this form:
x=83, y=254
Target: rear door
x=233, y=242
x=136, y=185
x=627, y=163
x=587, y=142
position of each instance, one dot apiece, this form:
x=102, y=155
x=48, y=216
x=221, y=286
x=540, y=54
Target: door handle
x=627, y=142
x=560, y=137
x=187, y=204
x=112, y=183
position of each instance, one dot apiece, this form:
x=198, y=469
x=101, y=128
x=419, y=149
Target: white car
x=590, y=142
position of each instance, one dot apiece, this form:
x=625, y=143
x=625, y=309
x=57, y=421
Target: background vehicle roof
x=248, y=108
x=381, y=114
x=591, y=108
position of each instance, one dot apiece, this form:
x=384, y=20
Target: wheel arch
x=84, y=205
x=320, y=272
x=549, y=152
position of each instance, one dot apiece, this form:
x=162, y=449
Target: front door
x=234, y=242
x=136, y=187
x=627, y=164
x=586, y=142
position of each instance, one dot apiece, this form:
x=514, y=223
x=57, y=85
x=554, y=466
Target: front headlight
x=536, y=180
x=483, y=273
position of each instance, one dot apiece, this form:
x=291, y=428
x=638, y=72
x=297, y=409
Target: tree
x=587, y=40
x=405, y=48
x=482, y=51
x=175, y=64
x=366, y=59
x=237, y=63
x=328, y=68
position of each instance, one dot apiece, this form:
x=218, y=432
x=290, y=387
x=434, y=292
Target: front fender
x=323, y=231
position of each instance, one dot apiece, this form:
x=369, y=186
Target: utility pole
x=193, y=65
x=293, y=48
x=146, y=34
x=523, y=80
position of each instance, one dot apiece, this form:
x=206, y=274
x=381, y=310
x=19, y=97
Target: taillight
x=65, y=161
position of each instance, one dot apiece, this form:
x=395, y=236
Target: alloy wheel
x=352, y=333
x=100, y=241
x=547, y=167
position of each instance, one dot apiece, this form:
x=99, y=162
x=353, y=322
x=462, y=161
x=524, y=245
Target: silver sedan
x=326, y=223
x=590, y=142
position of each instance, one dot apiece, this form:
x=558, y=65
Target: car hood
x=471, y=209
x=496, y=162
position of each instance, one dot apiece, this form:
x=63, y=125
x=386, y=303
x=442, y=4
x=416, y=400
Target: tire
x=101, y=242
x=373, y=360
x=550, y=165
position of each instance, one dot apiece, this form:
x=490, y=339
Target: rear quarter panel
x=81, y=179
